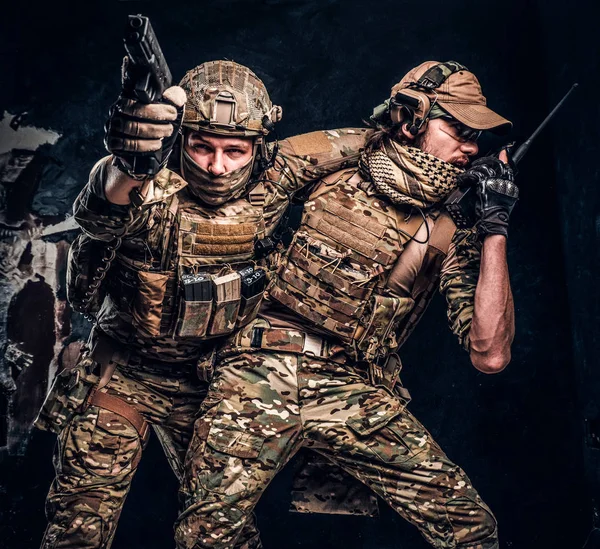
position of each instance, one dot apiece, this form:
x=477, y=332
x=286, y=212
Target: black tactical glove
x=141, y=136
x=496, y=194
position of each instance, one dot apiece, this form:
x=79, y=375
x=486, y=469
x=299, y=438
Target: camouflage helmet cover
x=226, y=98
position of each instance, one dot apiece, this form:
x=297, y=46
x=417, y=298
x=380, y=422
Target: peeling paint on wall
x=35, y=319
x=13, y=135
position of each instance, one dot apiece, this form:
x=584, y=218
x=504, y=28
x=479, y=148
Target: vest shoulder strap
x=442, y=233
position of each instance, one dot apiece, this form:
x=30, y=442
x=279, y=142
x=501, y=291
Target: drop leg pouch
x=69, y=395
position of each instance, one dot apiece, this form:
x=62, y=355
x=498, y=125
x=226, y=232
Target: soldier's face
x=219, y=154
x=442, y=139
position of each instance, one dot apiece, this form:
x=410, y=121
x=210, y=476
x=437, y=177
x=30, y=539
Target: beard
x=427, y=144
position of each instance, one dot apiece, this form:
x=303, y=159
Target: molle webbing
x=316, y=266
x=316, y=292
x=355, y=238
x=298, y=305
x=347, y=244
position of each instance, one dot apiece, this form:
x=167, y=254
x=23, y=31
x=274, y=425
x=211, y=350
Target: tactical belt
x=291, y=341
x=121, y=408
x=294, y=341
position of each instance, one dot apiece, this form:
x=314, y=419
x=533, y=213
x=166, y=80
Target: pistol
x=461, y=202
x=146, y=76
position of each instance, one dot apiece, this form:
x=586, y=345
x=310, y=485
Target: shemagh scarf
x=407, y=175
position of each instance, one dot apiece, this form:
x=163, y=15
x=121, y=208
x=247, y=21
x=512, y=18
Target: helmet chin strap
x=262, y=159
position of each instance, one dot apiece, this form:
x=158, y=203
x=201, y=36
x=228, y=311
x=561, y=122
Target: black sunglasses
x=463, y=132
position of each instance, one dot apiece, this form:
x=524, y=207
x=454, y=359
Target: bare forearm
x=493, y=324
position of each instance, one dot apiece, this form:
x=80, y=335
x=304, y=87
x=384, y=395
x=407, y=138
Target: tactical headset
x=414, y=99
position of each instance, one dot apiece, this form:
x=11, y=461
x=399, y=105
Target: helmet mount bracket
x=224, y=109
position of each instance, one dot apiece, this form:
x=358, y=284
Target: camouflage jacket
x=169, y=227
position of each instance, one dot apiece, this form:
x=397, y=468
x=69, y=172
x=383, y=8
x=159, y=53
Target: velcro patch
x=310, y=144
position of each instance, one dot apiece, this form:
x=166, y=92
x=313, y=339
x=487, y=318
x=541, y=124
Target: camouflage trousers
x=98, y=452
x=263, y=406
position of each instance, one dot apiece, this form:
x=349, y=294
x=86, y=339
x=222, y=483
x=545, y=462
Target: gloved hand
x=136, y=130
x=496, y=194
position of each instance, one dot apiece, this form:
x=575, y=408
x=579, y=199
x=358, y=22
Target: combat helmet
x=226, y=98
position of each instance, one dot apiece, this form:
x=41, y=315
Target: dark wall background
x=528, y=437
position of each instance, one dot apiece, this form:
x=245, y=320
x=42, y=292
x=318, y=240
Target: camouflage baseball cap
x=226, y=98
x=460, y=96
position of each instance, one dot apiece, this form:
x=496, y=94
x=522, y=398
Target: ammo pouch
x=214, y=306
x=69, y=395
x=193, y=318
x=248, y=309
x=226, y=299
x=147, y=306
x=381, y=318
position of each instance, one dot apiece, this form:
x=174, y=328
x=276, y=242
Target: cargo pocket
x=403, y=441
x=378, y=430
x=371, y=421
x=148, y=303
x=193, y=319
x=231, y=460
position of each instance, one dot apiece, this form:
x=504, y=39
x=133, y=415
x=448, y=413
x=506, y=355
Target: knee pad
x=472, y=522
x=75, y=528
x=209, y=524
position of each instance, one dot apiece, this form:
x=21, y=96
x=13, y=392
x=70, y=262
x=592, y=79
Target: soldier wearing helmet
x=188, y=269
x=318, y=367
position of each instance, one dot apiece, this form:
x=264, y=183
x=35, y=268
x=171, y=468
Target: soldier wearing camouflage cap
x=317, y=367
x=188, y=271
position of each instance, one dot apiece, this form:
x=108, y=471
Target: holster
x=386, y=373
x=69, y=395
x=73, y=388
